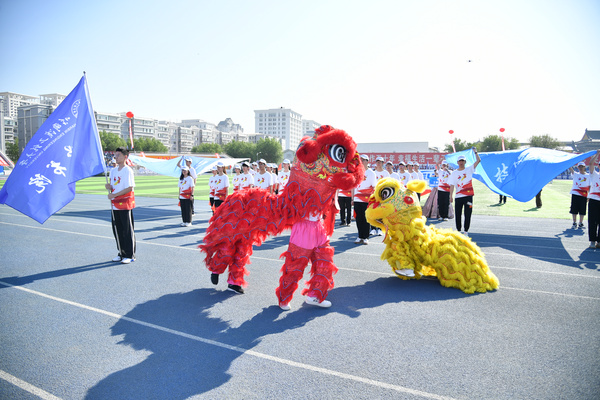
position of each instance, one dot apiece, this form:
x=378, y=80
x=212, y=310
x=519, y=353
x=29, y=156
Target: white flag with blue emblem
x=64, y=150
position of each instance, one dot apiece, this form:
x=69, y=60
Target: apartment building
x=282, y=123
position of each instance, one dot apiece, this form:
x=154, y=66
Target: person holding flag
x=122, y=197
x=462, y=180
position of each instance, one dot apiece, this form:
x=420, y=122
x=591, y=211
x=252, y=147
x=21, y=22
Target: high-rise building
x=12, y=101
x=282, y=123
x=30, y=119
x=309, y=126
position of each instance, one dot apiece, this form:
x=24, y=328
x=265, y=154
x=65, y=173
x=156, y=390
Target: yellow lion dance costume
x=414, y=249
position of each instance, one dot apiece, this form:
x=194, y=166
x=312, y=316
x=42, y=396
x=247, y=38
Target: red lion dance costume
x=324, y=163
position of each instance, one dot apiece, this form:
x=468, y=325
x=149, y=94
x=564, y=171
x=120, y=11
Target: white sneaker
x=358, y=241
x=365, y=241
x=285, y=307
x=313, y=301
x=188, y=224
x=117, y=259
x=182, y=224
x=592, y=245
x=406, y=272
x=127, y=260
x=373, y=232
x=379, y=232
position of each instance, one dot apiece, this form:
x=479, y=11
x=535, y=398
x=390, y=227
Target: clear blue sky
x=382, y=70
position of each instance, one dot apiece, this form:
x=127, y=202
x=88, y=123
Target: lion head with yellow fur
x=392, y=203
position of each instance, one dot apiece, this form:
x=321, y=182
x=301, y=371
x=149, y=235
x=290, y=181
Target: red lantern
x=129, y=114
x=501, y=129
x=451, y=131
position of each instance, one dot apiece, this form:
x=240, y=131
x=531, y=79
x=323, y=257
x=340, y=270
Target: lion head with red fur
x=330, y=156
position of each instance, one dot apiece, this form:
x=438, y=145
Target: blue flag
x=519, y=174
x=64, y=150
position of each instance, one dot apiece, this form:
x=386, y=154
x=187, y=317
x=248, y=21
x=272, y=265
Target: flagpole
x=100, y=142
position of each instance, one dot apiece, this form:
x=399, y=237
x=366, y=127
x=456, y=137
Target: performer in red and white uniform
x=594, y=203
x=186, y=194
x=361, y=201
x=221, y=185
x=443, y=191
x=122, y=198
x=461, y=180
x=579, y=193
x=246, y=179
x=235, y=181
x=284, y=176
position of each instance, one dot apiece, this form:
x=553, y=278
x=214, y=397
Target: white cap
x=410, y=163
x=581, y=164
x=444, y=162
x=379, y=159
x=237, y=166
x=214, y=168
x=185, y=168
x=262, y=160
x=389, y=162
x=285, y=161
x=364, y=156
x=462, y=158
x=220, y=164
x=401, y=163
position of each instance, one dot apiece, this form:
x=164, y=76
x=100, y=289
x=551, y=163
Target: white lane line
x=552, y=293
x=237, y=349
x=27, y=386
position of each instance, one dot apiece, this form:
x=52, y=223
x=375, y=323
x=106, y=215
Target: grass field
x=555, y=196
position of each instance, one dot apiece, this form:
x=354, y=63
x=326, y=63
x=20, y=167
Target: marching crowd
x=585, y=194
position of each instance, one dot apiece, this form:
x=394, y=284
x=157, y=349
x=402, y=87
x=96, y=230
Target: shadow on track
x=24, y=280
x=180, y=367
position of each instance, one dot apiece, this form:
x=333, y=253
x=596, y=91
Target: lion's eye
x=386, y=193
x=338, y=153
x=408, y=200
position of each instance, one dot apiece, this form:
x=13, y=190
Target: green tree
x=149, y=145
x=207, y=148
x=237, y=149
x=494, y=143
x=110, y=141
x=459, y=144
x=545, y=141
x=12, y=150
x=270, y=150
